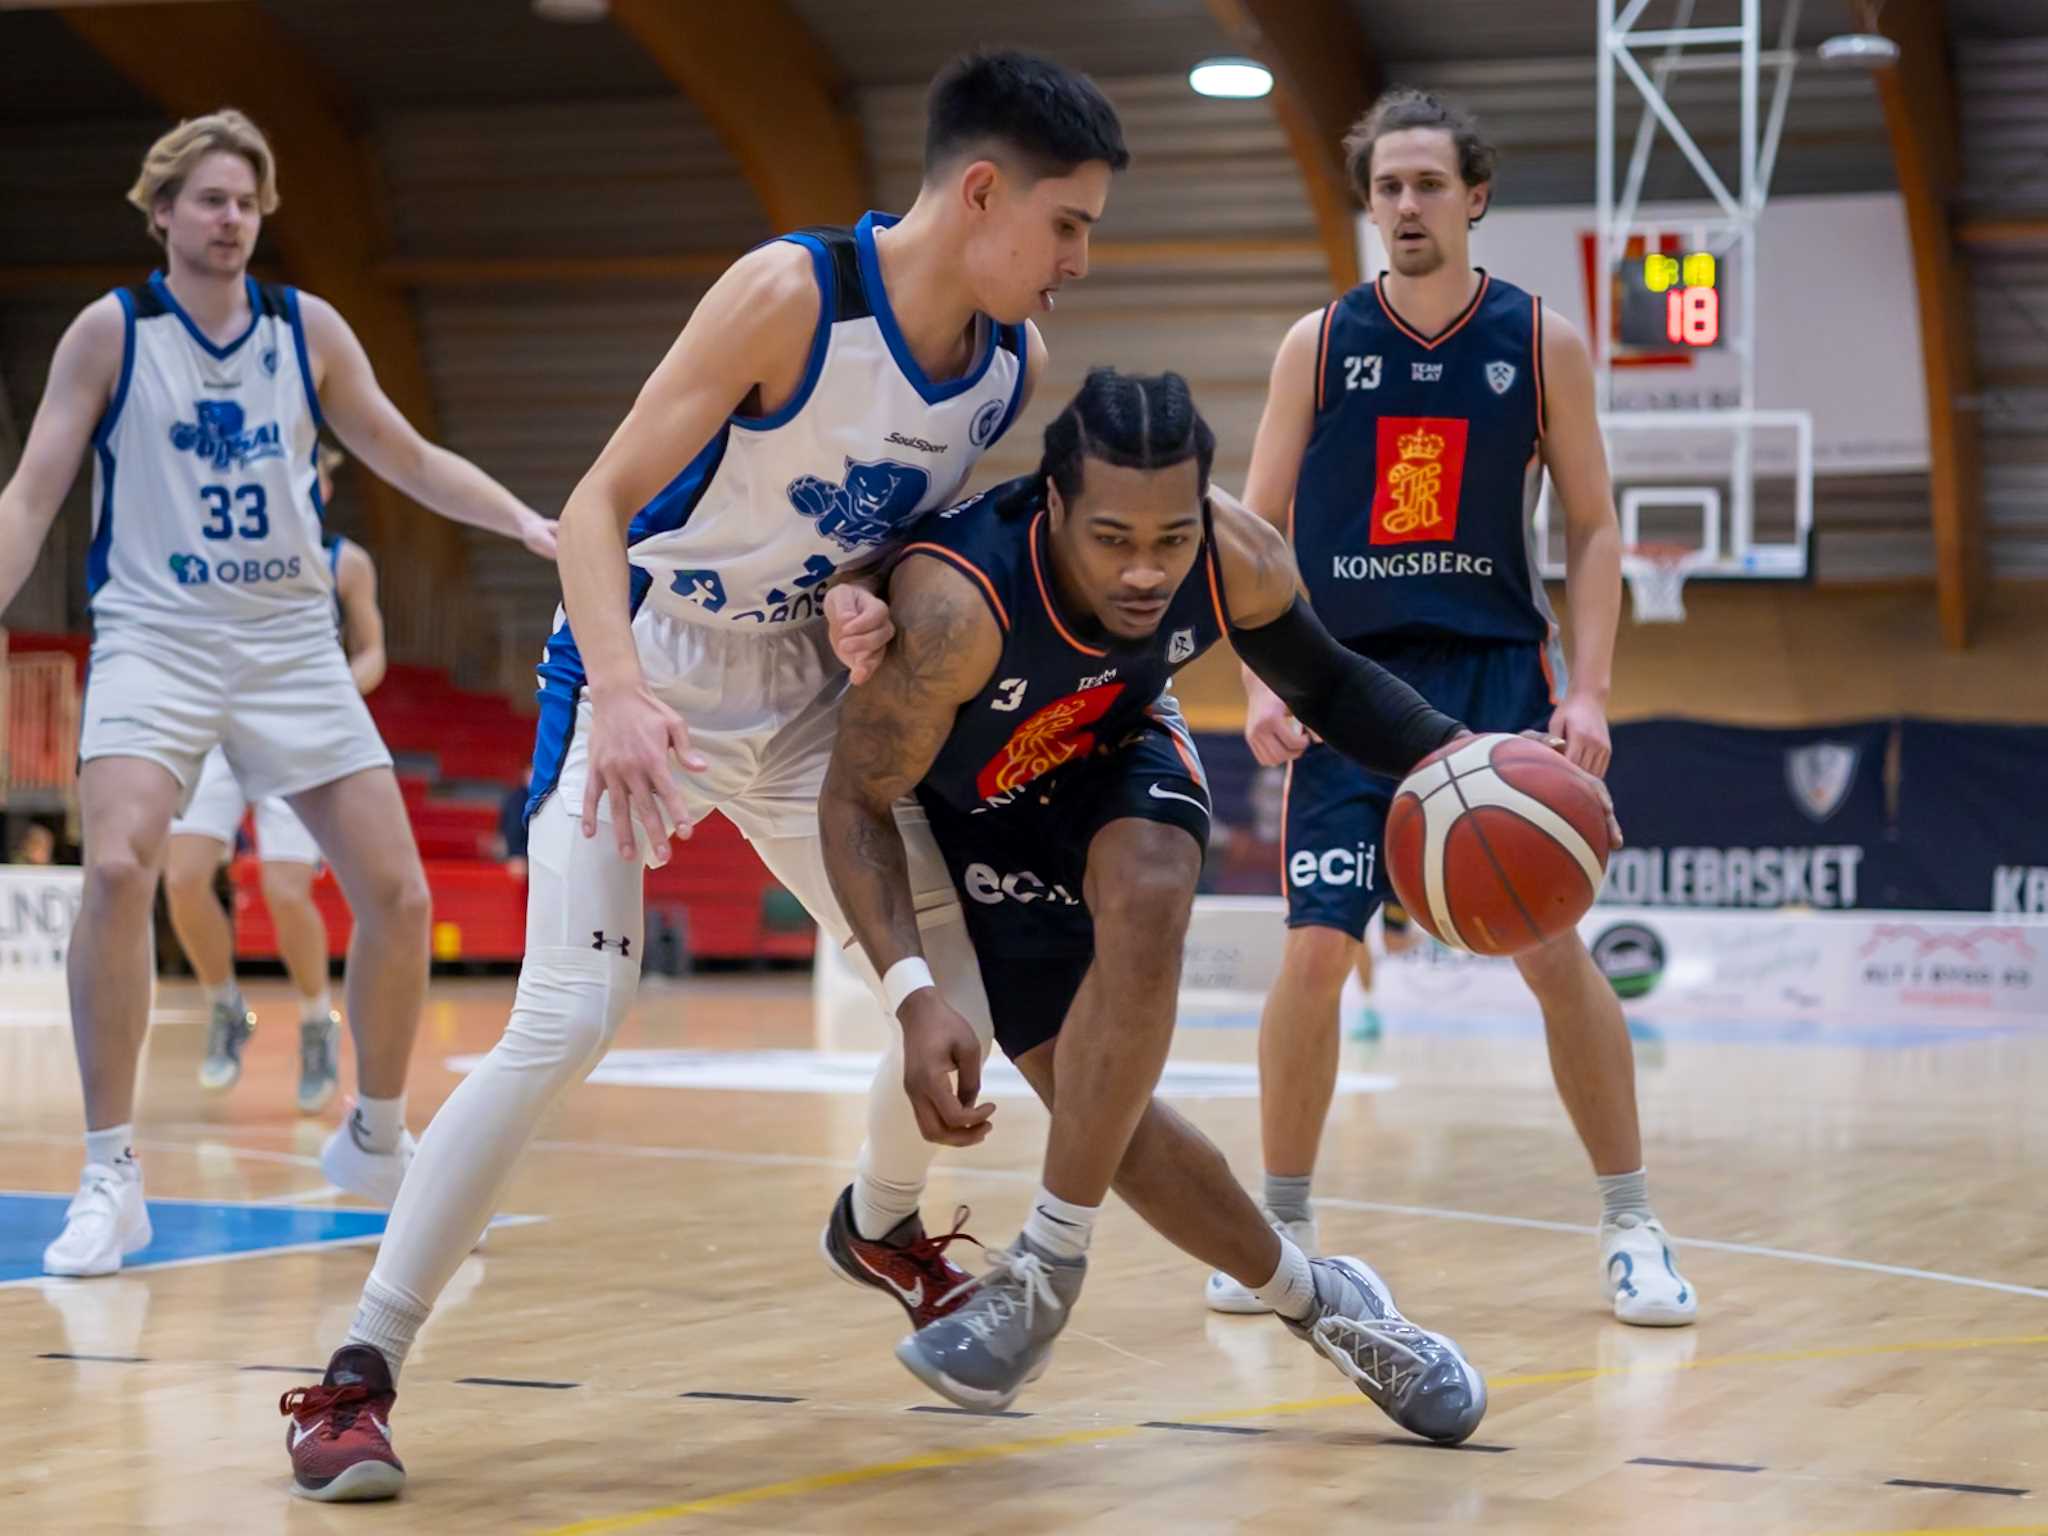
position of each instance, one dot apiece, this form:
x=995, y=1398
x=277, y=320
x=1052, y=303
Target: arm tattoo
x=892, y=730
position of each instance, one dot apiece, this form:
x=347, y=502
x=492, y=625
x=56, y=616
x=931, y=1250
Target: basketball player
x=1403, y=443
x=203, y=838
x=202, y=394
x=1024, y=701
x=831, y=386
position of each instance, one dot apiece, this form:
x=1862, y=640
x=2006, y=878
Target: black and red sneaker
x=903, y=1264
x=340, y=1434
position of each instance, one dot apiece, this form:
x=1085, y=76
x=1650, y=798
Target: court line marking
x=1956, y=1530
x=1018, y=1176
x=1336, y=1202
x=819, y=1482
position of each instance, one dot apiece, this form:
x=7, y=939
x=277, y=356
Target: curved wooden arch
x=1323, y=80
x=772, y=93
x=1918, y=94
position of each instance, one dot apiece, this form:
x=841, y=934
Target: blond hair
x=174, y=157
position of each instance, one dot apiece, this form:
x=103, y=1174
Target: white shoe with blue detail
x=1641, y=1274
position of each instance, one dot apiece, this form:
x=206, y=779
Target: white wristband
x=904, y=978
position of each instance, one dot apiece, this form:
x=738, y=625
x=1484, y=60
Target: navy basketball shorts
x=1022, y=871
x=1336, y=813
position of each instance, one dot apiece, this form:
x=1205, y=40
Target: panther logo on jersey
x=867, y=508
x=1054, y=735
x=220, y=438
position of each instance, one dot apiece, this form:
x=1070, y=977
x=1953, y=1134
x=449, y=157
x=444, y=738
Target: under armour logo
x=623, y=944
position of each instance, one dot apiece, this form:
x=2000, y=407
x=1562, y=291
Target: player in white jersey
x=203, y=838
x=202, y=395
x=831, y=386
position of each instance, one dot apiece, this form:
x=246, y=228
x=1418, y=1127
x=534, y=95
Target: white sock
x=314, y=1009
x=1624, y=1194
x=388, y=1320
x=879, y=1205
x=1292, y=1290
x=112, y=1148
x=379, y=1123
x=1059, y=1227
x=229, y=991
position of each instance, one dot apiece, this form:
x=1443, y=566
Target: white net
x=1656, y=580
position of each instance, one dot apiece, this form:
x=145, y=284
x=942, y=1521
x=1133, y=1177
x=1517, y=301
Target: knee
x=1555, y=963
x=117, y=879
x=188, y=884
x=1319, y=959
x=569, y=1008
x=287, y=885
x=1144, y=890
x=402, y=898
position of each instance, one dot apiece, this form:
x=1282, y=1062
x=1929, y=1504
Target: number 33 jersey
x=206, y=506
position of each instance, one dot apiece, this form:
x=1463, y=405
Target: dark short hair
x=1135, y=421
x=1049, y=118
x=1402, y=108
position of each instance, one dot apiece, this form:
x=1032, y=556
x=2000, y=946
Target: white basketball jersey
x=749, y=532
x=206, y=503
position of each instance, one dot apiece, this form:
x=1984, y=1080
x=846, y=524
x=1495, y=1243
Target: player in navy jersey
x=831, y=386
x=202, y=393
x=1024, y=701
x=1404, y=441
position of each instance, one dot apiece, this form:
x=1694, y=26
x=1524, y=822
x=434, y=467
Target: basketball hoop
x=1656, y=580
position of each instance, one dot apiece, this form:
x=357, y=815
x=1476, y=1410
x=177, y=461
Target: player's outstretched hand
x=1583, y=725
x=1275, y=737
x=939, y=1047
x=860, y=627
x=537, y=533
x=1560, y=746
x=632, y=737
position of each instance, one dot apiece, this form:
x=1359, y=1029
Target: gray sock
x=1287, y=1196
x=1624, y=1194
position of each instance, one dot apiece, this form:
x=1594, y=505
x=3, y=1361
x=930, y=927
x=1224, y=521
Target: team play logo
x=867, y=507
x=220, y=437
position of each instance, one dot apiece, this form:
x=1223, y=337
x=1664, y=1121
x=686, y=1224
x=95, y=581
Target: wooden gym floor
x=662, y=1351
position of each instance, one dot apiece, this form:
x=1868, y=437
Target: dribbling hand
x=632, y=738
x=1593, y=782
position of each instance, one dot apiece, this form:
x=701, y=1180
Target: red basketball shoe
x=904, y=1264
x=340, y=1434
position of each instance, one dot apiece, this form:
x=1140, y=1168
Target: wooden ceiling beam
x=773, y=95
x=1324, y=78
x=1919, y=99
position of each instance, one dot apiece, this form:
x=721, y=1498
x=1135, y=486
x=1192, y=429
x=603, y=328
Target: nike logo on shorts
x=1173, y=794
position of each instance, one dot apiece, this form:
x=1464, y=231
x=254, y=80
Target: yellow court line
x=932, y=1461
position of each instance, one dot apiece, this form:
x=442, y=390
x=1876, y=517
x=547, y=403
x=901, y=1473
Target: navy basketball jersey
x=1414, y=513
x=1054, y=697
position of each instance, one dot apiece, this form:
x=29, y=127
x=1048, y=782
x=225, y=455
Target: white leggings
x=584, y=931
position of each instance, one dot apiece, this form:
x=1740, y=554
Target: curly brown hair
x=1402, y=108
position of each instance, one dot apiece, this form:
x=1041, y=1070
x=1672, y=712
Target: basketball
x=1495, y=844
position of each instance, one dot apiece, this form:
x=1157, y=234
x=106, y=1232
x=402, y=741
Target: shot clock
x=1668, y=301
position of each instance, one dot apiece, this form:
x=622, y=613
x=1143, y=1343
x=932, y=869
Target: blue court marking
x=186, y=1231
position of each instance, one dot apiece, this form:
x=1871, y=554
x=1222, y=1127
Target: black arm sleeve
x=1355, y=705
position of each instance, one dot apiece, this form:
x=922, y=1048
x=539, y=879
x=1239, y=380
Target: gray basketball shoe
x=226, y=1033
x=319, y=1061
x=1000, y=1340
x=1419, y=1379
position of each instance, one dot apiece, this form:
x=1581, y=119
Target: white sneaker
x=1641, y=1274
x=1223, y=1294
x=105, y=1222
x=373, y=1175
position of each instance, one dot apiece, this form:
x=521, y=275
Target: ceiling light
x=1238, y=79
x=1867, y=50
x=572, y=10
